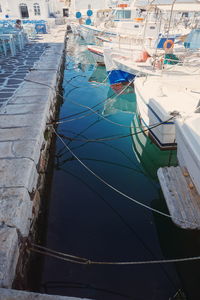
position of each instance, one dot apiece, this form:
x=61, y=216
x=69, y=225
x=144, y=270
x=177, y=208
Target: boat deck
x=182, y=198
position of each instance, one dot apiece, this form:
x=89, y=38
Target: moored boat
x=160, y=101
x=188, y=150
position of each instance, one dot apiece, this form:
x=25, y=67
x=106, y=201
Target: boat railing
x=184, y=65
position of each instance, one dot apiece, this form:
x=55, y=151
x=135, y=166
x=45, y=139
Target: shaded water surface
x=89, y=219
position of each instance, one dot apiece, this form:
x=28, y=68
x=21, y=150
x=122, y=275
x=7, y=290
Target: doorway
x=65, y=12
x=24, y=11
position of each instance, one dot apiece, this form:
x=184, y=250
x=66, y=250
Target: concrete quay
x=8, y=294
x=29, y=83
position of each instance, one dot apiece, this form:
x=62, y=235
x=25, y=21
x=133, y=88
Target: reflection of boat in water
x=124, y=102
x=99, y=75
x=147, y=153
x=97, y=53
x=87, y=69
x=78, y=49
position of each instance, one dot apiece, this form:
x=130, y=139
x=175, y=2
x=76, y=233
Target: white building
x=42, y=9
x=31, y=9
x=80, y=5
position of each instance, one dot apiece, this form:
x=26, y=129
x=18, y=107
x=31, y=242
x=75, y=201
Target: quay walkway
x=28, y=97
x=14, y=69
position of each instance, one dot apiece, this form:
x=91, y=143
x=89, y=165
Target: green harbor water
x=88, y=214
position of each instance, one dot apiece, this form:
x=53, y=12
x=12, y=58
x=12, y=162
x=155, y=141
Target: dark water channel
x=88, y=219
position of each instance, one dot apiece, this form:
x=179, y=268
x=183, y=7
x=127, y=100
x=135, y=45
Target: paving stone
x=27, y=149
x=8, y=90
x=30, y=99
x=21, y=68
x=9, y=253
x=14, y=86
x=16, y=209
x=14, y=81
x=17, y=76
x=29, y=144
x=20, y=72
x=24, y=143
x=31, y=89
x=9, y=68
x=22, y=133
x=5, y=95
x=48, y=61
x=6, y=149
x=12, y=121
x=18, y=173
x=9, y=74
x=34, y=108
x=43, y=77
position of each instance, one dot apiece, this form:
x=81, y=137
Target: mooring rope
x=105, y=139
x=85, y=261
x=116, y=137
x=120, y=192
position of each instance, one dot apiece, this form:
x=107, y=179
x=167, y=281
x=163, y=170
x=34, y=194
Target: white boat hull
x=161, y=101
x=188, y=150
x=164, y=134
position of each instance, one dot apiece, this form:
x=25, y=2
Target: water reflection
x=180, y=244
x=120, y=103
x=86, y=217
x=147, y=153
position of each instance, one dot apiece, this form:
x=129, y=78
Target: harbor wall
x=8, y=294
x=24, y=151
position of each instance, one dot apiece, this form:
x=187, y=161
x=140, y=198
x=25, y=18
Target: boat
x=188, y=141
x=122, y=19
x=161, y=101
x=156, y=39
x=116, y=77
x=142, y=55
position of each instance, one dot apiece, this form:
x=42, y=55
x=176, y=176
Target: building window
x=23, y=10
x=36, y=8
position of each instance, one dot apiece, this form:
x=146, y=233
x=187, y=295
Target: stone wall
x=7, y=294
x=24, y=145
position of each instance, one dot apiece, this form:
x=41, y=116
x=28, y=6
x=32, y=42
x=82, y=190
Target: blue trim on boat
x=118, y=76
x=122, y=20
x=155, y=114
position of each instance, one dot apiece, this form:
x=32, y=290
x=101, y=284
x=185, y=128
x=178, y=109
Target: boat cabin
x=123, y=12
